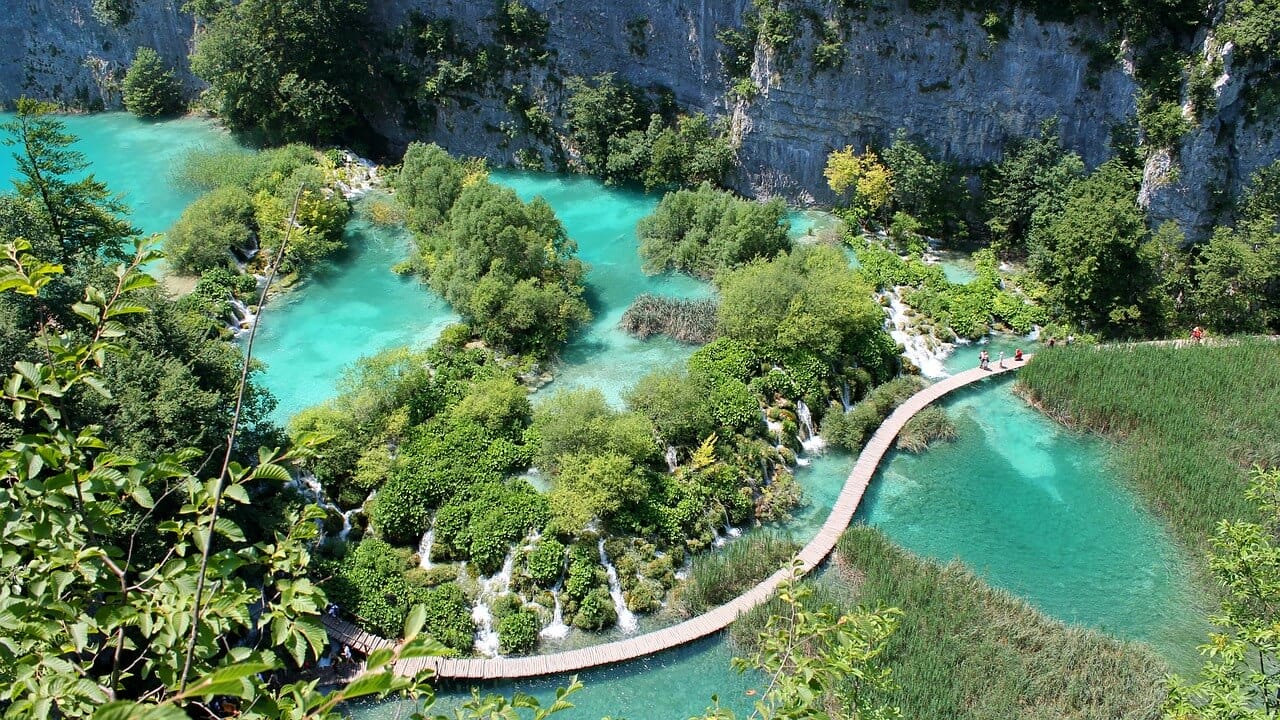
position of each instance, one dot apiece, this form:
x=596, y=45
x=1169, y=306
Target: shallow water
x=136, y=158
x=1035, y=509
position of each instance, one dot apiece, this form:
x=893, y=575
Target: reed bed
x=930, y=425
x=967, y=651
x=688, y=321
x=718, y=577
x=1191, y=421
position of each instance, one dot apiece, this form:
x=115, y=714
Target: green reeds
x=928, y=426
x=1191, y=420
x=965, y=651
x=688, y=321
x=716, y=578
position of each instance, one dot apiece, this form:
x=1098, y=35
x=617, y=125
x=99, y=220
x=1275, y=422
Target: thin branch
x=196, y=608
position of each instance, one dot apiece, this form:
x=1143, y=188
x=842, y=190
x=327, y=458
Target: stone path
x=710, y=622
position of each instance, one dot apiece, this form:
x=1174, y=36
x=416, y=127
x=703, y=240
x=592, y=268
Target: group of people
x=984, y=359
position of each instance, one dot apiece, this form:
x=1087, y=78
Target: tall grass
x=926, y=427
x=716, y=578
x=1191, y=420
x=688, y=321
x=965, y=651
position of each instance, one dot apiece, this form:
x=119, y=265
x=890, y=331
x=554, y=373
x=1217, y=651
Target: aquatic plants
x=925, y=428
x=689, y=321
x=1189, y=420
x=965, y=650
x=717, y=578
x=851, y=428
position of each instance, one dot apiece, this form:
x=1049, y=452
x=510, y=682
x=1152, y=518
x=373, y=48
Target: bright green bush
x=518, y=632
x=851, y=429
x=546, y=562
x=596, y=611
x=449, y=617
x=704, y=231
x=208, y=229
x=427, y=184
x=149, y=88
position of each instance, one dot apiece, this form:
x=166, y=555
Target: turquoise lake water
x=1033, y=508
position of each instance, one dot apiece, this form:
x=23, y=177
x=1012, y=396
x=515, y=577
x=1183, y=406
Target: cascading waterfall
x=845, y=396
x=810, y=440
x=626, y=619
x=915, y=346
x=242, y=317
x=490, y=588
x=556, y=629
x=673, y=458
x=424, y=546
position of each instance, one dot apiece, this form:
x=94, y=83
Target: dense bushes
x=703, y=231
x=851, y=429
x=717, y=578
x=506, y=266
x=295, y=85
x=149, y=88
x=620, y=137
x=210, y=229
x=689, y=321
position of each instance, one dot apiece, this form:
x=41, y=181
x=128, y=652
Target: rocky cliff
x=58, y=50
x=940, y=76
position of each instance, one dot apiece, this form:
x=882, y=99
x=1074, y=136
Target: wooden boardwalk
x=709, y=622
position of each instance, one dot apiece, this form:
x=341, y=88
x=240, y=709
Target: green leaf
x=414, y=622
x=236, y=493
x=369, y=684
x=142, y=496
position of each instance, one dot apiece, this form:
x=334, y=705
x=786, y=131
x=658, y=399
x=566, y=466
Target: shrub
x=703, y=231
x=596, y=612
x=688, y=321
x=546, y=562
x=113, y=12
x=149, y=88
x=209, y=229
x=518, y=632
x=851, y=429
x=716, y=578
x=449, y=617
x=928, y=425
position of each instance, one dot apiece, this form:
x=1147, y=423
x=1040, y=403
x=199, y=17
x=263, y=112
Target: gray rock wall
x=57, y=49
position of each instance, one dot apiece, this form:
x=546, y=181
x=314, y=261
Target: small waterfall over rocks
x=626, y=619
x=424, y=546
x=242, y=318
x=490, y=588
x=556, y=629
x=810, y=440
x=845, y=401
x=915, y=346
x=673, y=458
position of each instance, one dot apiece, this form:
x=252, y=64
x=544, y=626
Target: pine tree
x=150, y=89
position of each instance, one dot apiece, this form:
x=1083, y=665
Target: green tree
x=580, y=421
x=922, y=187
x=599, y=109
x=427, y=185
x=704, y=231
x=593, y=487
x=1027, y=188
x=209, y=230
x=1091, y=257
x=1238, y=277
x=83, y=216
x=1240, y=679
x=508, y=268
x=289, y=69
x=149, y=88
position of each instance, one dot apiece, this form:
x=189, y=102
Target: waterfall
x=844, y=395
x=673, y=458
x=556, y=629
x=490, y=588
x=810, y=440
x=242, y=317
x=915, y=346
x=424, y=547
x=626, y=618
x=765, y=475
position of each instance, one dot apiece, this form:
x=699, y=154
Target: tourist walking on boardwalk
x=1197, y=334
x=984, y=360
x=1001, y=363
x=1017, y=355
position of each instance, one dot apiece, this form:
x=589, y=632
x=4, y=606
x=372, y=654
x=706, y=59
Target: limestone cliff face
x=57, y=50
x=938, y=76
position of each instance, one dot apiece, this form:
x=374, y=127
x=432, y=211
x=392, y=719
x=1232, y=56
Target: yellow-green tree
x=870, y=180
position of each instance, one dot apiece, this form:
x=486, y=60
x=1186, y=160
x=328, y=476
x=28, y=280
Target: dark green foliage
x=1254, y=27
x=149, y=88
x=966, y=651
x=209, y=230
x=830, y=53
x=1237, y=279
x=725, y=358
x=113, y=12
x=369, y=582
x=1191, y=420
x=482, y=521
x=717, y=578
x=521, y=33
x=924, y=188
x=689, y=321
x=508, y=268
x=518, y=632
x=1163, y=123
x=1027, y=188
x=427, y=185
x=1090, y=257
x=83, y=217
x=704, y=231
x=619, y=137
x=675, y=405
x=289, y=69
x=851, y=429
x=596, y=611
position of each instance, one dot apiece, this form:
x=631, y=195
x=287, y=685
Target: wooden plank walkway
x=712, y=621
